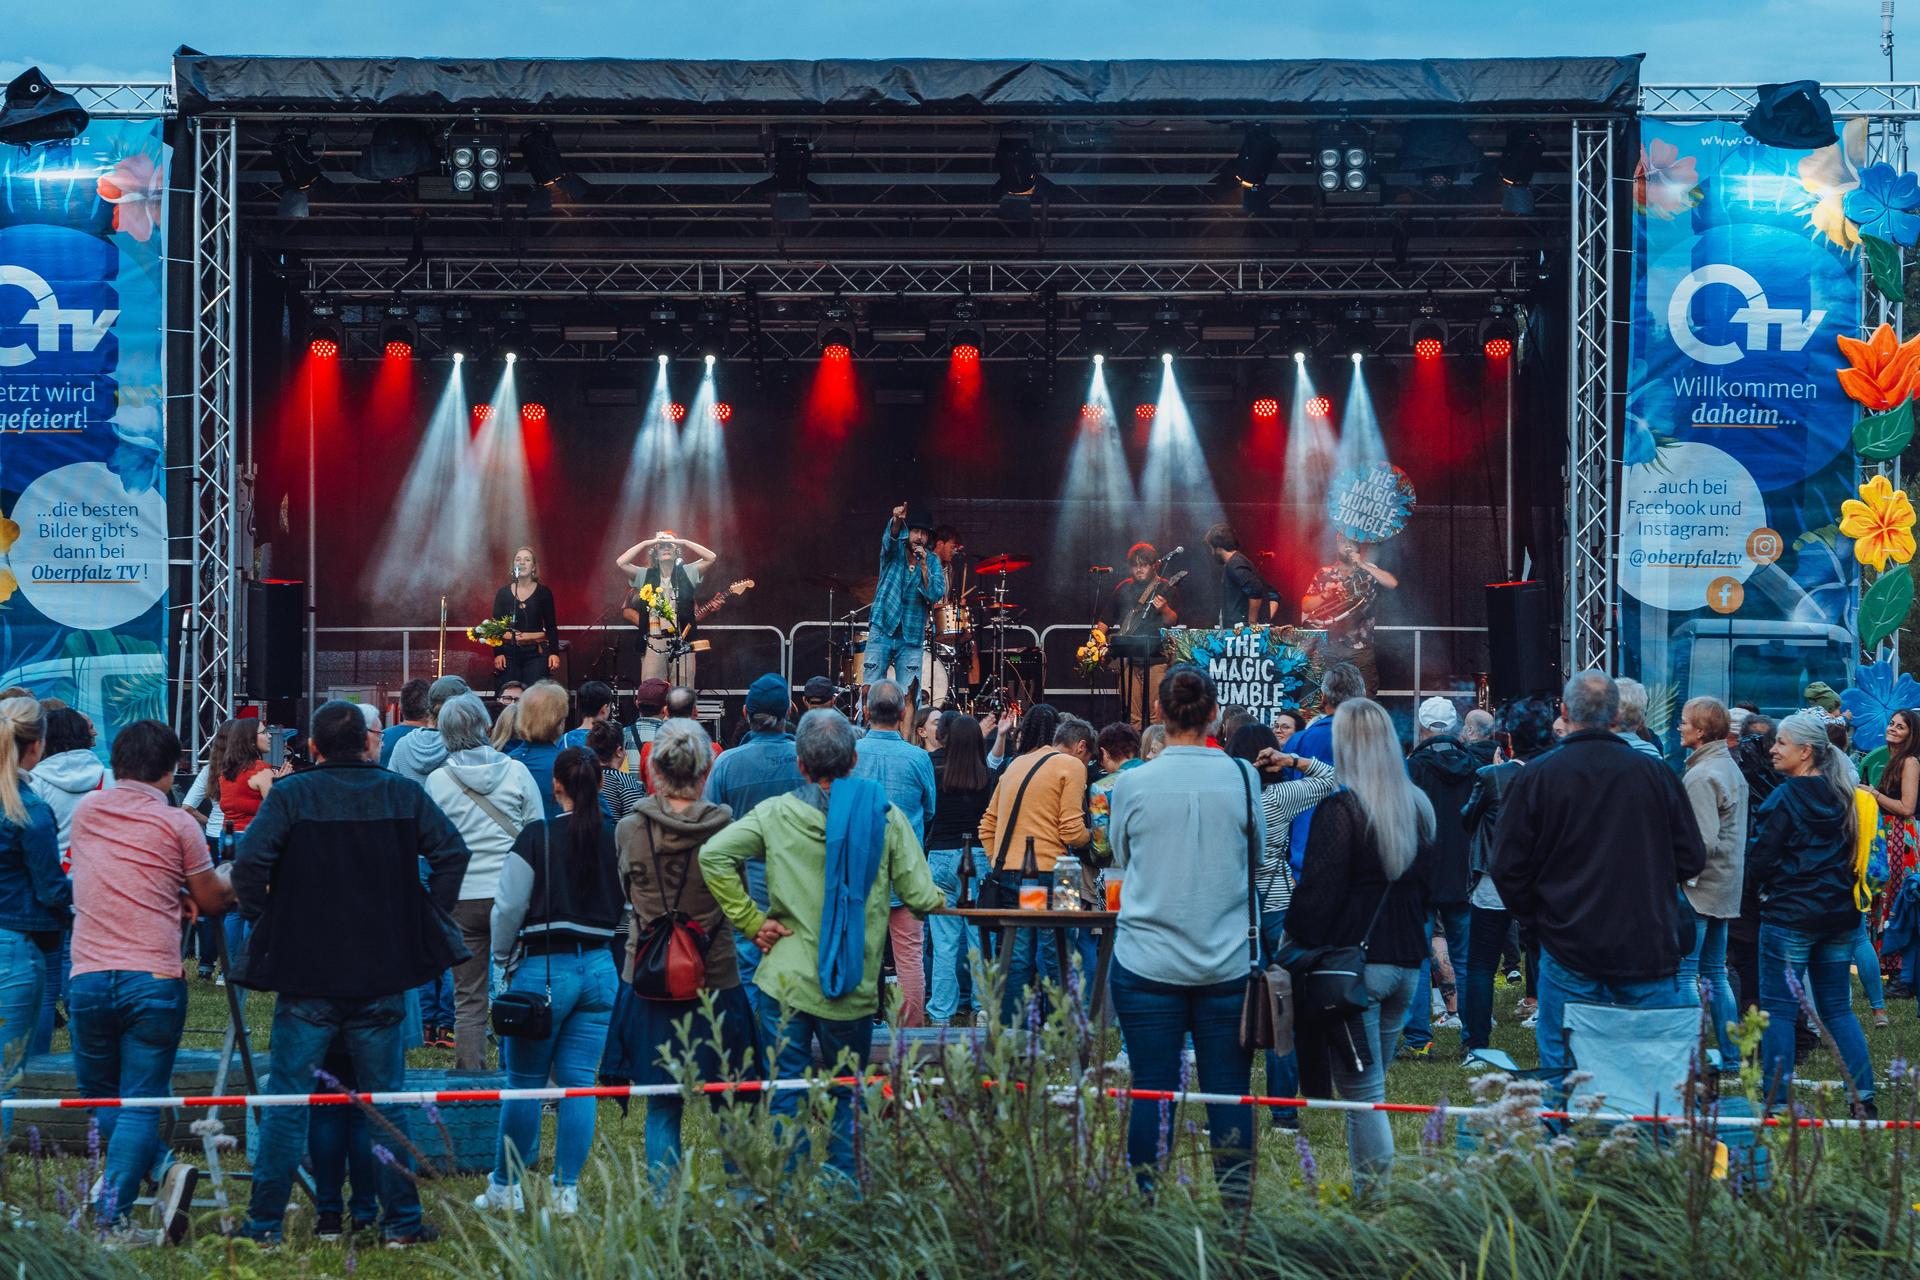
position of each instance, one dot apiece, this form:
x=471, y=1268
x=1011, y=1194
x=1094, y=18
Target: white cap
x=1437, y=713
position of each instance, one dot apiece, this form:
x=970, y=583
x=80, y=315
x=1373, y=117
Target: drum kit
x=973, y=661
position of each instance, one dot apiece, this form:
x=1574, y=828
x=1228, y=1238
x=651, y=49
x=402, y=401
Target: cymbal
x=827, y=582
x=1002, y=564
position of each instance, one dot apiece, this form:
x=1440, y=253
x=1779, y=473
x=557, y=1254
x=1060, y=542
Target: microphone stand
x=440, y=659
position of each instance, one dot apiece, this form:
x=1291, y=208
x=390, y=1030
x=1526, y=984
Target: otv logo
x=47, y=318
x=1760, y=319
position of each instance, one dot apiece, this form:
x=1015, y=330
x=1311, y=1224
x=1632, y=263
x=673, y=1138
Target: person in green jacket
x=835, y=850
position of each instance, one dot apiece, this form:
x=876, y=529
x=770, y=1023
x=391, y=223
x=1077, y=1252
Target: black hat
x=919, y=518
x=1792, y=115
x=35, y=111
x=819, y=689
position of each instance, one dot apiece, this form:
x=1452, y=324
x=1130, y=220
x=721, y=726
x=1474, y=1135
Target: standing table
x=1059, y=924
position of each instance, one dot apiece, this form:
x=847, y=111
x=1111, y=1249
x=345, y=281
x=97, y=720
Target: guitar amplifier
x=1143, y=648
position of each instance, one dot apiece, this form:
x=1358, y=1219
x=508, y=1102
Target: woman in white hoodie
x=67, y=771
x=489, y=798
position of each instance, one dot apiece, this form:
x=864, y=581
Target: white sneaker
x=1447, y=1022
x=173, y=1205
x=499, y=1199
x=1531, y=1021
x=566, y=1200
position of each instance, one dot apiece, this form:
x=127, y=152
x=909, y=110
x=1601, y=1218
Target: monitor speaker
x=276, y=639
x=1522, y=641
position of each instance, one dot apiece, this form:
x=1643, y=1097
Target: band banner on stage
x=1736, y=441
x=83, y=514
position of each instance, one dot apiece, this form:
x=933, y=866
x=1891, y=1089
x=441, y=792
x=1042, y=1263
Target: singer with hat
x=911, y=580
x=533, y=644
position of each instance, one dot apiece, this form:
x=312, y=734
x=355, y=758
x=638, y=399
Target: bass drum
x=937, y=688
x=856, y=660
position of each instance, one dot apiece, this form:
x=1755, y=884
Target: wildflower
x=328, y=1080
x=382, y=1154
x=93, y=1138
x=431, y=1112
x=207, y=1128
x=1880, y=524
x=1309, y=1169
x=33, y=1141
x=1436, y=1127
x=1896, y=1071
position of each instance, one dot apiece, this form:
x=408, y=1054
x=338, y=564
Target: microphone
x=513, y=575
x=1099, y=568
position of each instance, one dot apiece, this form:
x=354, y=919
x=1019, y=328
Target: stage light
x=1295, y=329
x=33, y=111
x=1356, y=337
x=1016, y=176
x=835, y=332
x=1518, y=164
x=399, y=350
x=1427, y=335
x=709, y=360
x=712, y=326
x=966, y=353
x=514, y=336
x=459, y=334
x=1428, y=348
x=323, y=329
x=966, y=336
x=398, y=334
x=1319, y=407
x=321, y=347
x=1266, y=407
x=397, y=151
x=722, y=411
x=482, y=413
x=1343, y=162
x=299, y=170
x=1167, y=335
x=533, y=411
x=1091, y=412
x=474, y=162
x=548, y=168
x=459, y=357
x=664, y=336
x=1299, y=357
x=1098, y=359
x=512, y=357
x=836, y=351
x=789, y=192
x=676, y=411
x=1498, y=332
x=1099, y=336
x=662, y=359
x=1144, y=412
x=1166, y=359
x=1253, y=165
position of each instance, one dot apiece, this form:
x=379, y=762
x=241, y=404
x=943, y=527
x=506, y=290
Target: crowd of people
x=594, y=902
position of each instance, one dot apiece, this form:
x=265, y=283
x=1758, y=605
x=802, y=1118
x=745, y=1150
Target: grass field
x=448, y=1200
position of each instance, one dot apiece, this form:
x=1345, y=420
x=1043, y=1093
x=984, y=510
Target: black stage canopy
x=246, y=84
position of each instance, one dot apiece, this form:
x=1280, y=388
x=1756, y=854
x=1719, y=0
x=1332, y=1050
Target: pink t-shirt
x=132, y=853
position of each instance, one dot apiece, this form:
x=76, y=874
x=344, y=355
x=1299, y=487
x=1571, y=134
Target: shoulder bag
x=1330, y=983
x=1256, y=1003
x=528, y=1014
x=489, y=808
x=670, y=950
x=994, y=894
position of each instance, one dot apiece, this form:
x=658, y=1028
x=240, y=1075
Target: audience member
x=650, y=706
x=1342, y=683
x=36, y=898
x=1718, y=796
x=619, y=793
x=68, y=771
x=542, y=714
x=505, y=737
x=414, y=714
x=1443, y=768
x=597, y=705
x=1153, y=740
x=962, y=788
x=421, y=752
x=1287, y=722
x=1632, y=722
x=904, y=772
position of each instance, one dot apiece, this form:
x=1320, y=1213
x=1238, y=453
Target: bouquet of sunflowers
x=492, y=632
x=1092, y=656
x=659, y=602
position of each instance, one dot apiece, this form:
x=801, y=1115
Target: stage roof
x=1050, y=88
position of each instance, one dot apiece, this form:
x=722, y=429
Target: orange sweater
x=1053, y=812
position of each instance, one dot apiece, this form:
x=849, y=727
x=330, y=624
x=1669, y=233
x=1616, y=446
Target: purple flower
x=431, y=1112
x=1166, y=1128
x=1897, y=1071
x=1436, y=1128
x=1309, y=1168
x=33, y=1141
x=93, y=1137
x=1794, y=988
x=328, y=1083
x=381, y=1154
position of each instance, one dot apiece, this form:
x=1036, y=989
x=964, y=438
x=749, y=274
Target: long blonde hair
x=22, y=723
x=1366, y=756
x=506, y=726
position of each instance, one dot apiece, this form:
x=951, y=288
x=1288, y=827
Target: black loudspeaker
x=276, y=639
x=1522, y=643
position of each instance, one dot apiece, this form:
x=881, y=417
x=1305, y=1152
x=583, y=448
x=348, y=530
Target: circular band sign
x=1370, y=503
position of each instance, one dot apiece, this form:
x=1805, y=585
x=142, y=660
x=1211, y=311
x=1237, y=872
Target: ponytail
x=1808, y=730
x=579, y=773
x=22, y=723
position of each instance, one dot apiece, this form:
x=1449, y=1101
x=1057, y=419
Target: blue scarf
x=856, y=838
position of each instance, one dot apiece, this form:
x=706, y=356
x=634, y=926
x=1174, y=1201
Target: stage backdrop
x=1737, y=434
x=83, y=541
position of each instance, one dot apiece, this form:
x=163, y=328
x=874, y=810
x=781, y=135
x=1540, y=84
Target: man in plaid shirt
x=910, y=580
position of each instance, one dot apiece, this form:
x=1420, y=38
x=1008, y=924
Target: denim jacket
x=35, y=895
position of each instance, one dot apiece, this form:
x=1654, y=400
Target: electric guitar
x=1143, y=607
x=630, y=610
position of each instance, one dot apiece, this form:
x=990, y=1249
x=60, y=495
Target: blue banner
x=83, y=513
x=1732, y=582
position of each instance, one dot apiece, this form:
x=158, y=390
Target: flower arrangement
x=492, y=632
x=659, y=602
x=1092, y=656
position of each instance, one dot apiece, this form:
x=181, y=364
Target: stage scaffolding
x=1601, y=163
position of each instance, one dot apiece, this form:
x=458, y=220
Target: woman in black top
x=532, y=648
x=1365, y=881
x=963, y=786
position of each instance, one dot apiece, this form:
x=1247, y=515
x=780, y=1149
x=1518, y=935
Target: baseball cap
x=652, y=694
x=767, y=696
x=1438, y=713
x=818, y=689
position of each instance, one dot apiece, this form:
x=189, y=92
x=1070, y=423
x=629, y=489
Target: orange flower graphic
x=136, y=187
x=1880, y=524
x=1885, y=372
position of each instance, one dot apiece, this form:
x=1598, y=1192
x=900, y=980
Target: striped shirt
x=1283, y=802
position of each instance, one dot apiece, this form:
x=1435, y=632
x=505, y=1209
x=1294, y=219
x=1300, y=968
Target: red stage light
x=722, y=411
x=1144, y=412
x=676, y=411
x=533, y=412
x=399, y=351
x=1319, y=407
x=1266, y=407
x=1427, y=348
x=966, y=353
x=323, y=348
x=1499, y=348
x=837, y=351
x=482, y=412
x=1091, y=412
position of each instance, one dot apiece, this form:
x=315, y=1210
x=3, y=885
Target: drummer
x=948, y=662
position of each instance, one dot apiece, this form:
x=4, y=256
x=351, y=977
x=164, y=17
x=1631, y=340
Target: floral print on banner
x=1880, y=522
x=1665, y=183
x=1876, y=694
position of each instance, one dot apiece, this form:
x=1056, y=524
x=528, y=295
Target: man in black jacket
x=1593, y=843
x=1443, y=768
x=328, y=873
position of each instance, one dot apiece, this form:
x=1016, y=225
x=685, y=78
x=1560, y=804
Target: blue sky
x=1731, y=41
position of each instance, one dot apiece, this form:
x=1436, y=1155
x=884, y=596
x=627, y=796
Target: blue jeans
x=1452, y=923
x=436, y=1000
x=952, y=944
x=1486, y=938
x=1867, y=961
x=373, y=1032
x=1824, y=959
x=1157, y=1018
x=748, y=955
x=584, y=982
x=1283, y=1070
x=1707, y=963
x=126, y=1030
x=59, y=966
x=1030, y=950
x=904, y=654
x=790, y=1052
x=23, y=976
x=342, y=1148
x=1561, y=986
x=1390, y=993
x=725, y=1047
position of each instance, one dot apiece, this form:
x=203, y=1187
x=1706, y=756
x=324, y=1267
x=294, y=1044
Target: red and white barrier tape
x=442, y=1097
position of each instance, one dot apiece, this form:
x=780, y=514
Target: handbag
x=1330, y=983
x=1256, y=1001
x=529, y=1014
x=994, y=893
x=670, y=950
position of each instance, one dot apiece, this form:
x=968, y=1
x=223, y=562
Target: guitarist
x=1141, y=605
x=660, y=562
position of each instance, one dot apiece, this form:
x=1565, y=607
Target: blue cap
x=768, y=696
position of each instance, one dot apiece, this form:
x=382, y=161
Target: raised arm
x=705, y=555
x=630, y=559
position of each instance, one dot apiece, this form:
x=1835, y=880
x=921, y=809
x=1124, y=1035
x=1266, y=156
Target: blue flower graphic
x=1875, y=696
x=1886, y=204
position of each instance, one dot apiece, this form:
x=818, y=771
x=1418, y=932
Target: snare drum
x=856, y=659
x=949, y=623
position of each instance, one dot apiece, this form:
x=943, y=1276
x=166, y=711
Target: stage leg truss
x=211, y=628
x=1588, y=638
